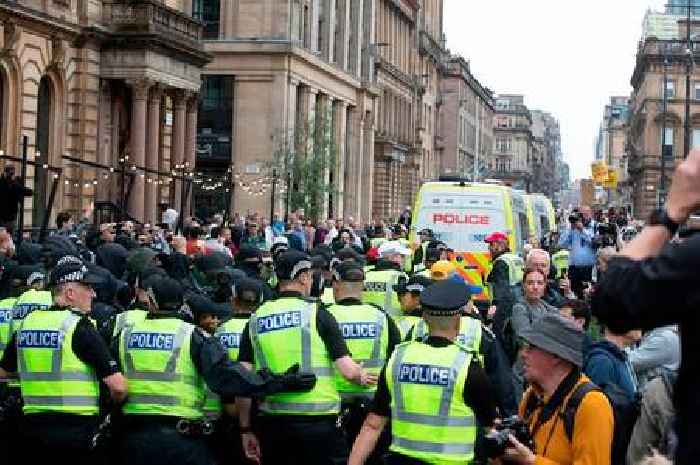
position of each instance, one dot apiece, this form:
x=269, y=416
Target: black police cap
x=349, y=271
x=71, y=269
x=167, y=293
x=415, y=284
x=444, y=298
x=290, y=263
x=249, y=290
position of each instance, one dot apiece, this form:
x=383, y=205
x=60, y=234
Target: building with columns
x=90, y=83
x=466, y=120
x=512, y=141
x=279, y=67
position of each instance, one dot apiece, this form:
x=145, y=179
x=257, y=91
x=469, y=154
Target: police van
x=541, y=215
x=462, y=214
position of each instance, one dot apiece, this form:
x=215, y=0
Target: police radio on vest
x=458, y=218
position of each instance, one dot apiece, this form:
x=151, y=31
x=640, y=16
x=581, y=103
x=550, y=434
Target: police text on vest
x=424, y=374
x=279, y=321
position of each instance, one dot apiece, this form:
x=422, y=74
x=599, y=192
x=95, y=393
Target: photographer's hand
x=519, y=453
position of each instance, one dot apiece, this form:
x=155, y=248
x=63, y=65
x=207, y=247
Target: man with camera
x=569, y=421
x=578, y=240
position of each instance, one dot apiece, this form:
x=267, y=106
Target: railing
x=151, y=17
x=429, y=46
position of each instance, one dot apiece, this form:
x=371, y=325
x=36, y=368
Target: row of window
x=671, y=89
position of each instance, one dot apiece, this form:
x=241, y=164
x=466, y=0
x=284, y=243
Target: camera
x=496, y=442
x=575, y=218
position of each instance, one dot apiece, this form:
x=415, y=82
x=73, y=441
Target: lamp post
x=272, y=194
x=662, y=185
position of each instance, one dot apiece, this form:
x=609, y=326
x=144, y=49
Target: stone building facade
x=513, y=142
x=466, y=120
x=611, y=146
x=90, y=83
x=276, y=69
x=647, y=119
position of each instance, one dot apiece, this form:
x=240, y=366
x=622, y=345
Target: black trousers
x=55, y=439
x=353, y=416
x=301, y=441
x=578, y=275
x=160, y=444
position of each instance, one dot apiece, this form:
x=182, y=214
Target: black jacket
x=659, y=291
x=11, y=193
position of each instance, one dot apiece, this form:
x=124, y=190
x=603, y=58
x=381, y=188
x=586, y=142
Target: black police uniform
x=478, y=390
x=278, y=432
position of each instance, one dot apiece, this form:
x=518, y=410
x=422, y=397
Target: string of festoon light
x=252, y=184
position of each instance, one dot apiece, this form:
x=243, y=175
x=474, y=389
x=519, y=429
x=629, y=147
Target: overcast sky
x=567, y=57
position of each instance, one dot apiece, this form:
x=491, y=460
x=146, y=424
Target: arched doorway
x=43, y=129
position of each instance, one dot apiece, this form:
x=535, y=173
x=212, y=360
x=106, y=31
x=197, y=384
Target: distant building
x=466, y=122
x=611, y=145
x=660, y=25
x=680, y=7
x=512, y=134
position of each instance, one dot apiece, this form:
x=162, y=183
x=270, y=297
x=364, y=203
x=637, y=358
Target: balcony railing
x=150, y=17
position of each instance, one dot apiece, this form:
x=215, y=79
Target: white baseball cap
x=393, y=247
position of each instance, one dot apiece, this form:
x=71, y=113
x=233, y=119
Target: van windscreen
x=462, y=221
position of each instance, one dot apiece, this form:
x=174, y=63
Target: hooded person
x=112, y=256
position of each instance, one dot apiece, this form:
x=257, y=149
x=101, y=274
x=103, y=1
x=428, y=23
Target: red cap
x=496, y=237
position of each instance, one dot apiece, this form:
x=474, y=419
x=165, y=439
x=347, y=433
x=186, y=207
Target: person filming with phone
x=578, y=240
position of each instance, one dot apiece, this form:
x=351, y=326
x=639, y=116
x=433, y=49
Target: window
x=697, y=91
x=667, y=148
x=696, y=138
x=669, y=136
x=503, y=145
x=207, y=11
x=215, y=119
x=670, y=88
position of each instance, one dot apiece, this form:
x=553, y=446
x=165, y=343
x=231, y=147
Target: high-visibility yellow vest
x=283, y=333
x=561, y=262
x=229, y=335
x=163, y=380
x=52, y=378
x=328, y=298
x=379, y=290
x=127, y=318
x=5, y=322
x=366, y=331
x=28, y=302
x=405, y=323
x=430, y=421
x=469, y=336
x=516, y=267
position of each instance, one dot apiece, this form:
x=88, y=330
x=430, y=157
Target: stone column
x=311, y=120
x=190, y=156
x=177, y=143
x=152, y=154
x=355, y=39
x=292, y=112
x=139, y=94
x=355, y=181
x=325, y=138
x=343, y=26
x=313, y=26
x=367, y=168
x=328, y=30
x=340, y=113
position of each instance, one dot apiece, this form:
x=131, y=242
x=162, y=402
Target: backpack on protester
x=625, y=413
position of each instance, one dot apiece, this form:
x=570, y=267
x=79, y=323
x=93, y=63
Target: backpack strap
x=569, y=412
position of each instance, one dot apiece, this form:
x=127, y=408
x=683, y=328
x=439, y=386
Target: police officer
x=506, y=272
x=380, y=280
x=371, y=336
x=61, y=359
x=478, y=338
x=432, y=256
x=434, y=391
x=138, y=310
x=425, y=236
x=560, y=260
x=408, y=292
x=169, y=363
x=295, y=330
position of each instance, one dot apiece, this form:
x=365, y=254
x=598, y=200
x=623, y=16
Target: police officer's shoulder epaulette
x=310, y=299
x=464, y=348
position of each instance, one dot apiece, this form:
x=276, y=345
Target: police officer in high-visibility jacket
x=371, y=336
x=295, y=330
x=561, y=263
x=434, y=391
x=169, y=363
x=506, y=272
x=380, y=281
x=409, y=291
x=61, y=359
x=246, y=296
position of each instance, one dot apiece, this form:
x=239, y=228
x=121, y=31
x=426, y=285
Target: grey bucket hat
x=558, y=336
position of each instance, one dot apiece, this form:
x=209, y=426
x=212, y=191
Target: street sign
x=599, y=172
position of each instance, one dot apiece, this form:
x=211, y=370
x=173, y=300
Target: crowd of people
x=294, y=342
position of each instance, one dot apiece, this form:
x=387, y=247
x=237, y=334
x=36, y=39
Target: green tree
x=309, y=155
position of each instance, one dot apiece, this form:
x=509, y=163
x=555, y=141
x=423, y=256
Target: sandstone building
x=92, y=82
